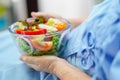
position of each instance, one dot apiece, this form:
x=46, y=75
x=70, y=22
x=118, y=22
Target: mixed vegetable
x=39, y=36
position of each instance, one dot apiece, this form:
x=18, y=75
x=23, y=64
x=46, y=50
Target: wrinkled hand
x=42, y=63
x=55, y=65
x=45, y=15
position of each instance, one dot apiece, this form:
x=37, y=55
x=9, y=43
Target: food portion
x=39, y=26
x=39, y=36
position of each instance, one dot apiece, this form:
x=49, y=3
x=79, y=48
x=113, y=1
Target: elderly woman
x=92, y=48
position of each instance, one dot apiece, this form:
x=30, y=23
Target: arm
x=66, y=71
x=76, y=21
x=56, y=66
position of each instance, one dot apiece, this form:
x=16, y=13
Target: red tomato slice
x=42, y=46
x=39, y=31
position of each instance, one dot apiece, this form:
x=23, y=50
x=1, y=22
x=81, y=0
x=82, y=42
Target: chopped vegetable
x=61, y=26
x=39, y=20
x=49, y=28
x=24, y=45
x=50, y=22
x=42, y=35
x=38, y=31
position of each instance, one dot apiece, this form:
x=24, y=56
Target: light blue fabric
x=10, y=66
x=93, y=47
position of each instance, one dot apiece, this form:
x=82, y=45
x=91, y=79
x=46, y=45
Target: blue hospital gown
x=94, y=46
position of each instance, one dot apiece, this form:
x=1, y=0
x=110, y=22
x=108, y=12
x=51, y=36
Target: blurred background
x=12, y=10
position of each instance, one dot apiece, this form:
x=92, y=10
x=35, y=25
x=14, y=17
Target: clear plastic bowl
x=38, y=45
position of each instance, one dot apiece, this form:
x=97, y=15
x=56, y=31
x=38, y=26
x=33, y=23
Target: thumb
x=34, y=14
x=38, y=14
x=30, y=59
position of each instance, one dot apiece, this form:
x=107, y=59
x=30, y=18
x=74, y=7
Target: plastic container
x=38, y=45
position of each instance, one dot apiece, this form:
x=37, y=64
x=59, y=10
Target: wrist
x=75, y=22
x=55, y=65
x=61, y=68
x=66, y=71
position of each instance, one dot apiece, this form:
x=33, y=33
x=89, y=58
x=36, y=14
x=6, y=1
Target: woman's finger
x=38, y=59
x=30, y=59
x=45, y=14
x=38, y=14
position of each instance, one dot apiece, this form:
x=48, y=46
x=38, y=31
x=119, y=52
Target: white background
x=67, y=8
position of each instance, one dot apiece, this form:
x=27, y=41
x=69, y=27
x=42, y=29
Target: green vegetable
x=39, y=20
x=33, y=28
x=55, y=41
x=50, y=22
x=53, y=51
x=39, y=38
x=39, y=53
x=20, y=26
x=24, y=46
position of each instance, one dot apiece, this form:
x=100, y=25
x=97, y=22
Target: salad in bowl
x=38, y=36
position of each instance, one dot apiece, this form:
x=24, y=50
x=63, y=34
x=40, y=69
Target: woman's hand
x=55, y=65
x=42, y=63
x=45, y=14
x=74, y=21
